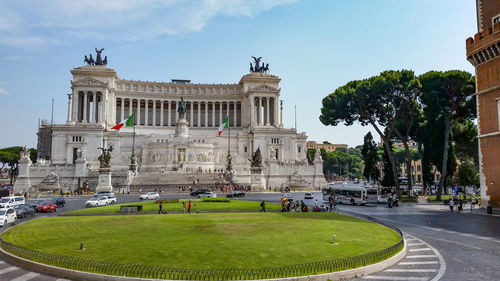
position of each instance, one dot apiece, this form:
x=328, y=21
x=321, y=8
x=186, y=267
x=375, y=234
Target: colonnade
x=87, y=107
x=153, y=112
x=264, y=111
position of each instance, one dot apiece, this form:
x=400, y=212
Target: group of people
x=295, y=206
x=184, y=208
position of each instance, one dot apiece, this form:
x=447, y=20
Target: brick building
x=483, y=52
x=328, y=147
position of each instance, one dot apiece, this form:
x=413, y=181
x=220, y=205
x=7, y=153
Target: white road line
x=410, y=270
x=8, y=269
x=420, y=250
x=448, y=241
x=27, y=276
x=396, y=278
x=414, y=244
x=417, y=262
x=63, y=280
x=421, y=256
x=2, y=262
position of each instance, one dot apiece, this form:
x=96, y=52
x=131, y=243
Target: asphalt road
x=443, y=245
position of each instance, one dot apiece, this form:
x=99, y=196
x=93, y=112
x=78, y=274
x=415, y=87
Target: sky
x=314, y=46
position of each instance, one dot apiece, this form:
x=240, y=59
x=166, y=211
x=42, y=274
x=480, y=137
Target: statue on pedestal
x=105, y=157
x=182, y=109
x=256, y=161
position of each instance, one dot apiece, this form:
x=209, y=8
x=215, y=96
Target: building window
x=299, y=149
x=77, y=139
x=495, y=19
x=245, y=149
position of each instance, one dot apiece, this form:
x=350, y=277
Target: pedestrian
x=183, y=207
x=283, y=206
x=263, y=206
x=302, y=206
x=452, y=203
x=297, y=205
x=160, y=210
x=189, y=207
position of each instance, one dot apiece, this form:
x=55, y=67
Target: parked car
x=208, y=194
x=46, y=206
x=197, y=192
x=381, y=199
x=97, y=201
x=35, y=203
x=60, y=202
x=11, y=201
x=7, y=215
x=24, y=210
x=288, y=196
x=308, y=195
x=235, y=193
x=111, y=199
x=149, y=196
x=104, y=193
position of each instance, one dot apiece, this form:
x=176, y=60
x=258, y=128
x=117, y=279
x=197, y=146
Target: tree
x=447, y=96
x=364, y=102
x=403, y=88
x=465, y=138
x=388, y=180
x=369, y=155
x=310, y=155
x=468, y=174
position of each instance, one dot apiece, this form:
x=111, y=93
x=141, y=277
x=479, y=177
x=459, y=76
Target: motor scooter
x=389, y=202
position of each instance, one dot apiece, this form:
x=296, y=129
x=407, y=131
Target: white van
x=7, y=202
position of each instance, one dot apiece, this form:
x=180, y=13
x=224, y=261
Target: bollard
x=81, y=245
x=334, y=239
x=489, y=210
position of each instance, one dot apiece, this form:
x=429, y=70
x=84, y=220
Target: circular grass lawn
x=213, y=240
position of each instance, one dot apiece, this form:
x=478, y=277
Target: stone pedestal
x=257, y=181
x=182, y=128
x=104, y=180
x=23, y=183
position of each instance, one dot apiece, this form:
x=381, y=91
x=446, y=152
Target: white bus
x=350, y=193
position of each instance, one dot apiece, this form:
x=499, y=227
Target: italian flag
x=224, y=125
x=129, y=122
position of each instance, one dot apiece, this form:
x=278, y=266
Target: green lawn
x=209, y=240
x=150, y=206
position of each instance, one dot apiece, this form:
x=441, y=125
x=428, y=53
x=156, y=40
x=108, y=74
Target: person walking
x=189, y=207
x=160, y=210
x=452, y=203
x=183, y=207
x=263, y=206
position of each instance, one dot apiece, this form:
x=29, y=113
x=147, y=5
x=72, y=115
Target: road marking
x=27, y=276
x=2, y=262
x=444, y=240
x=395, y=278
x=8, y=269
x=63, y=280
x=417, y=262
x=419, y=249
x=415, y=244
x=421, y=256
x=410, y=270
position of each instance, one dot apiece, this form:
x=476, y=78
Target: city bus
x=350, y=193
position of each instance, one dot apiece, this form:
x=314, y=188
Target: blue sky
x=315, y=46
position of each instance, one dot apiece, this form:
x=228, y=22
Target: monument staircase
x=172, y=180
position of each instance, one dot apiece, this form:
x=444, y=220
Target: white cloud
x=3, y=91
x=22, y=23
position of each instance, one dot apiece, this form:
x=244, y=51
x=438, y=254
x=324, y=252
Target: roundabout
x=204, y=246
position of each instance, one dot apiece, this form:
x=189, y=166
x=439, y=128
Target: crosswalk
x=9, y=272
x=422, y=263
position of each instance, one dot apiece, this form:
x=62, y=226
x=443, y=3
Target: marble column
x=122, y=109
x=259, y=113
x=228, y=108
x=276, y=109
x=213, y=113
x=146, y=113
x=154, y=113
x=69, y=109
x=252, y=110
x=191, y=113
x=138, y=112
x=169, y=114
x=235, y=112
x=84, y=119
x=161, y=112
x=176, y=113
x=206, y=114
x=267, y=112
x=130, y=109
x=94, y=107
x=220, y=112
x=198, y=123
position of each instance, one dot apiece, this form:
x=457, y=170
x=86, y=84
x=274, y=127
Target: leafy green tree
x=468, y=174
x=364, y=102
x=388, y=179
x=447, y=96
x=465, y=138
x=310, y=155
x=10, y=156
x=369, y=155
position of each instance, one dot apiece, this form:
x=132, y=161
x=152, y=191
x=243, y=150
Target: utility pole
x=52, y=114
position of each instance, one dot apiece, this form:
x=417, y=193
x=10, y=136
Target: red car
x=46, y=206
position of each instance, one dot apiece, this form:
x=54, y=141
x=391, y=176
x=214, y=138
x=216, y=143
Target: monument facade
x=175, y=135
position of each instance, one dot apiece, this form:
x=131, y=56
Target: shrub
x=139, y=207
x=18, y=194
x=192, y=200
x=221, y=199
x=167, y=201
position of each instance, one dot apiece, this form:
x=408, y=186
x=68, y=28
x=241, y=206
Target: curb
x=87, y=276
